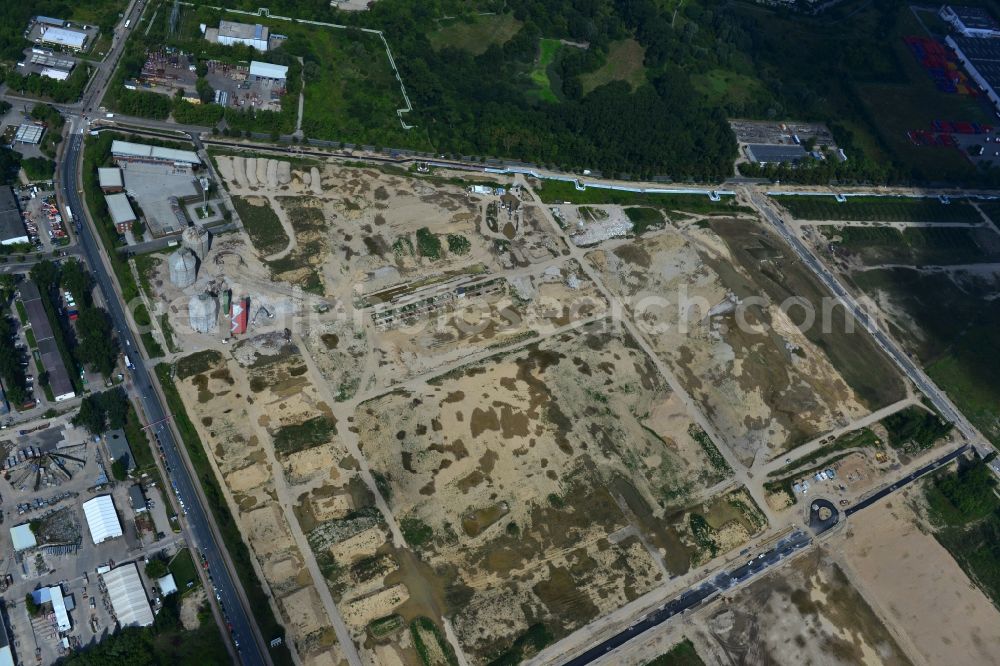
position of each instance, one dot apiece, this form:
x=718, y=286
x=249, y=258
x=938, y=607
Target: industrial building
x=981, y=59
x=110, y=179
x=70, y=39
x=12, y=231
x=52, y=360
x=29, y=134
x=776, y=154
x=22, y=538
x=118, y=449
x=268, y=71
x=126, y=151
x=102, y=520
x=970, y=21
x=128, y=596
x=230, y=33
x=60, y=605
x=121, y=212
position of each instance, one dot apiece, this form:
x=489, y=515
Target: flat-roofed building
x=110, y=179
x=22, y=538
x=776, y=154
x=29, y=134
x=52, y=360
x=121, y=212
x=6, y=654
x=54, y=73
x=70, y=39
x=269, y=71
x=128, y=596
x=231, y=32
x=119, y=449
x=137, y=499
x=12, y=231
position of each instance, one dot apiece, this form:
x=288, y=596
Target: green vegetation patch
x=918, y=246
x=915, y=429
x=415, y=531
x=183, y=568
x=428, y=244
x=197, y=363
x=384, y=626
x=953, y=329
x=528, y=644
x=305, y=435
x=548, y=49
x=262, y=225
x=966, y=510
x=879, y=209
x=558, y=191
x=474, y=34
x=682, y=654
x=431, y=645
x=624, y=62
x=643, y=219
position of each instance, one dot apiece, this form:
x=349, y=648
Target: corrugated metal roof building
x=102, y=519
x=267, y=70
x=141, y=152
x=128, y=597
x=71, y=39
x=110, y=179
x=22, y=537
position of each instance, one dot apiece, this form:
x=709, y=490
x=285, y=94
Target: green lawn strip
x=230, y=531
x=863, y=438
x=22, y=313
x=184, y=569
x=558, y=191
x=879, y=209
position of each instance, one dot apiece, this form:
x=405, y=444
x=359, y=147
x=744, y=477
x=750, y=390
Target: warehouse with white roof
x=102, y=519
x=270, y=71
x=71, y=39
x=126, y=151
x=128, y=596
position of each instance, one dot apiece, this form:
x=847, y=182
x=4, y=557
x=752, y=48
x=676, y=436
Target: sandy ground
x=920, y=588
x=723, y=366
x=806, y=613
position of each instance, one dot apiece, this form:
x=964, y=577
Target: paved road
x=910, y=478
x=696, y=595
x=198, y=518
x=889, y=346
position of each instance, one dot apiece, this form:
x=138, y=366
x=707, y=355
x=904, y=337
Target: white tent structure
x=102, y=519
x=22, y=537
x=128, y=597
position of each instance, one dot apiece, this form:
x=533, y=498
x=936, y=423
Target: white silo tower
x=183, y=268
x=203, y=310
x=197, y=240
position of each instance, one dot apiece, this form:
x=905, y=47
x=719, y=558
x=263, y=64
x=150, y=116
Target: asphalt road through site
x=197, y=516
x=695, y=595
x=930, y=467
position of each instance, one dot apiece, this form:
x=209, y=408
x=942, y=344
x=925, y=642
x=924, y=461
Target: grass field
x=954, y=331
x=624, y=63
x=474, y=34
x=548, y=50
x=184, y=570
x=720, y=85
x=262, y=225
x=879, y=209
x=918, y=246
x=556, y=191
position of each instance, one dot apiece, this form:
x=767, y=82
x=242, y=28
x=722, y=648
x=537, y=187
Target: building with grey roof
x=12, y=229
x=776, y=154
x=52, y=360
x=119, y=449
x=121, y=212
